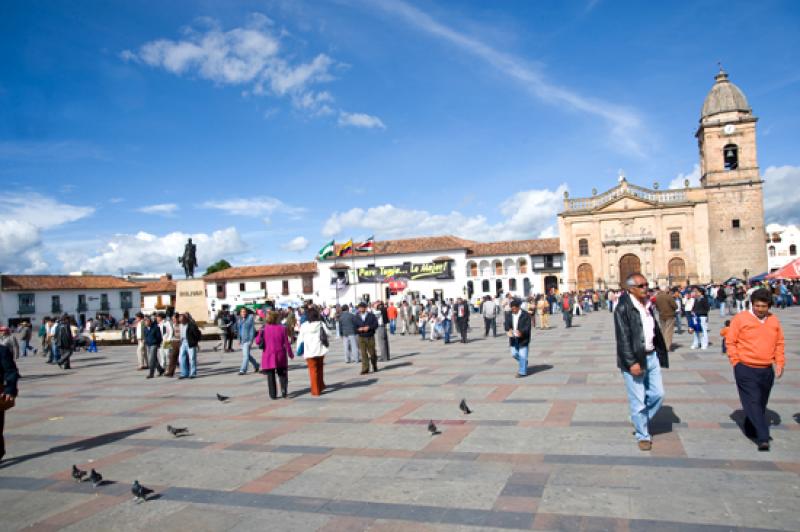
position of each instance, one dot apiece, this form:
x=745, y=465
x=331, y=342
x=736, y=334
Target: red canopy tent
x=790, y=271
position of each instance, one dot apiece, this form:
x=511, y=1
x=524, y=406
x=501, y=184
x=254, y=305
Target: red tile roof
x=162, y=286
x=64, y=282
x=412, y=245
x=268, y=270
x=515, y=247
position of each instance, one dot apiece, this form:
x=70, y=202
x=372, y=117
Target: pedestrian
x=313, y=338
x=461, y=311
x=403, y=316
x=55, y=354
x=542, y=312
x=366, y=325
x=446, y=319
x=566, y=309
x=381, y=338
x=676, y=296
x=175, y=347
x=723, y=333
x=8, y=339
x=152, y=342
x=190, y=339
x=229, y=331
x=700, y=310
x=44, y=336
x=755, y=345
x=666, y=306
x=167, y=337
x=518, y=328
x=141, y=352
x=275, y=357
x=10, y=378
x=25, y=334
x=65, y=342
x=246, y=329
x=489, y=311
x=641, y=353
x=391, y=312
x=422, y=323
x=347, y=329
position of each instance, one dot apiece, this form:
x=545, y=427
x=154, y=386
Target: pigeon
x=222, y=398
x=140, y=491
x=432, y=428
x=177, y=431
x=797, y=417
x=78, y=474
x=96, y=478
x=463, y=406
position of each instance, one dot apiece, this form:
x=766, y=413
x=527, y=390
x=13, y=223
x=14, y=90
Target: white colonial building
x=158, y=296
x=32, y=297
x=783, y=242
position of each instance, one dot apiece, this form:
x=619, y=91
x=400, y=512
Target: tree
x=218, y=266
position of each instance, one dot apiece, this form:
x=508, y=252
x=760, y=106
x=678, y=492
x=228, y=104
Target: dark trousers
x=152, y=362
x=172, y=363
x=754, y=385
x=463, y=328
x=227, y=342
x=567, y=318
x=283, y=377
x=490, y=323
x=66, y=354
x=2, y=438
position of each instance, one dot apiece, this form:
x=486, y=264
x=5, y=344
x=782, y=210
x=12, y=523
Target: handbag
x=300, y=349
x=6, y=404
x=323, y=336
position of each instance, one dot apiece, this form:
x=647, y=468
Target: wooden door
x=628, y=264
x=585, y=277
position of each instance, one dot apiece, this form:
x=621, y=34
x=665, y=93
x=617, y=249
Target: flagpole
x=355, y=272
x=377, y=284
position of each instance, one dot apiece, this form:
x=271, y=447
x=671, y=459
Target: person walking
x=461, y=311
x=167, y=337
x=190, y=339
x=403, y=316
x=347, y=329
x=25, y=335
x=10, y=379
x=391, y=312
x=755, y=345
x=44, y=335
x=700, y=310
x=366, y=325
x=65, y=342
x=641, y=353
x=666, y=306
x=446, y=318
x=141, y=351
x=518, y=329
x=566, y=309
x=381, y=338
x=246, y=328
x=676, y=296
x=313, y=337
x=542, y=312
x=489, y=311
x=152, y=342
x=8, y=339
x=276, y=354
x=175, y=348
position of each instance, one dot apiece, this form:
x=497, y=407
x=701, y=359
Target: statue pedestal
x=191, y=297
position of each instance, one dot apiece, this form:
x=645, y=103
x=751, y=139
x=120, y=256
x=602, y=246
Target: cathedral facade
x=680, y=236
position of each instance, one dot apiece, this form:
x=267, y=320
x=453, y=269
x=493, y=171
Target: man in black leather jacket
x=641, y=353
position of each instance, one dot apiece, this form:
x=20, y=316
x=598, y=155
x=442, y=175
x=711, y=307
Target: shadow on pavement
x=663, y=421
x=738, y=417
x=533, y=370
x=335, y=387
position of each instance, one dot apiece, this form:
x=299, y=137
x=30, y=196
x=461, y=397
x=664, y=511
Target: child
x=722, y=333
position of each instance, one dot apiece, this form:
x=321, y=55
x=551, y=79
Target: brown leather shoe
x=645, y=445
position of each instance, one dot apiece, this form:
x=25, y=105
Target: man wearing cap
x=366, y=324
x=641, y=353
x=518, y=329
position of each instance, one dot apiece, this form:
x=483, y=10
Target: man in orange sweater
x=755, y=344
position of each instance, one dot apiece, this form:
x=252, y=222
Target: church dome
x=723, y=97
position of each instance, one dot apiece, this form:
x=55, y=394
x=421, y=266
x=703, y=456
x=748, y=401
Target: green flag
x=326, y=251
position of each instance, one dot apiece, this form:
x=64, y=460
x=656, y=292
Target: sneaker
x=763, y=446
x=645, y=445
x=149, y=377
x=242, y=373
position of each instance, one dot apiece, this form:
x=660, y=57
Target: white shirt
x=515, y=320
x=648, y=323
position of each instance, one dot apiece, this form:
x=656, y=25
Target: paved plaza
x=553, y=451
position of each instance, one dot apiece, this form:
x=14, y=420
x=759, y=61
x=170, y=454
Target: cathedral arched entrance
x=628, y=264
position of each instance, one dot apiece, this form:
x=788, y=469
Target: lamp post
x=746, y=274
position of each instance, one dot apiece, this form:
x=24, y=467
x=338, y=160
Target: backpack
x=323, y=335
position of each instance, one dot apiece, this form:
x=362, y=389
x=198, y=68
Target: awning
x=759, y=277
x=790, y=271
x=397, y=286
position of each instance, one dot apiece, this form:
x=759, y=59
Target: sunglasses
x=642, y=286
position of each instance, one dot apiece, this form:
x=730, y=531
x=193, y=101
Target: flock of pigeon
x=141, y=493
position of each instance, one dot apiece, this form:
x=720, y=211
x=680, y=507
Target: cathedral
x=680, y=236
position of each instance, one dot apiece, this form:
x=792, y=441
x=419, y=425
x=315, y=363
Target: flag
x=346, y=249
x=367, y=245
x=326, y=251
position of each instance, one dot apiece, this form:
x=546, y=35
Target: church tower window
x=674, y=240
x=792, y=250
x=730, y=154
x=583, y=247
x=772, y=251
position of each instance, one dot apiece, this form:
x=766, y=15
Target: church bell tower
x=730, y=176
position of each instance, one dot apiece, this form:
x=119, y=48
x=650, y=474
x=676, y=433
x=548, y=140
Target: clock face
x=729, y=129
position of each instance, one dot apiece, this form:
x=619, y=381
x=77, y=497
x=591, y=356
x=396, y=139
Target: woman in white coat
x=313, y=337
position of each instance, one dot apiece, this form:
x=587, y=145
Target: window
x=27, y=303
x=793, y=250
x=548, y=261
x=473, y=269
x=772, y=251
x=125, y=300
x=263, y=285
x=485, y=286
x=308, y=284
x=730, y=154
x=512, y=285
x=82, y=306
x=735, y=223
x=221, y=290
x=104, y=302
x=285, y=290
x=498, y=268
x=55, y=304
x=776, y=238
x=523, y=266
x=241, y=287
x=583, y=247
x=674, y=240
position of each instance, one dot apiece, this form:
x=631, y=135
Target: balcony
x=82, y=307
x=26, y=309
x=55, y=308
x=104, y=306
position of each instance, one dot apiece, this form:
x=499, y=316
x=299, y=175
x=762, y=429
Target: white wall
x=9, y=303
x=151, y=300
x=234, y=295
x=789, y=235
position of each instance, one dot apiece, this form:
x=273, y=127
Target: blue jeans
x=722, y=310
x=55, y=354
x=701, y=336
x=645, y=395
x=520, y=354
x=392, y=326
x=422, y=330
x=247, y=358
x=447, y=325
x=187, y=356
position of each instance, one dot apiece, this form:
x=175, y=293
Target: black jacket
x=63, y=336
x=523, y=326
x=456, y=308
x=193, y=334
x=369, y=321
x=701, y=307
x=10, y=373
x=152, y=335
x=630, y=337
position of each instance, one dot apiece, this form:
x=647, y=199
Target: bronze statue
x=189, y=259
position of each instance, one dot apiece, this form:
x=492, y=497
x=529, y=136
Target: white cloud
x=258, y=207
x=163, y=209
x=23, y=218
x=527, y=214
x=251, y=56
x=360, y=120
x=299, y=243
x=781, y=202
x=148, y=252
x=693, y=177
x=625, y=124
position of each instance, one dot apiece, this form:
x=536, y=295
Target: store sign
x=406, y=271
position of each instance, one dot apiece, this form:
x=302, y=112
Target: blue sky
x=265, y=128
